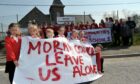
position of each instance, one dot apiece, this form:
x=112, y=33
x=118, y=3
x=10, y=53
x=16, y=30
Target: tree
x=136, y=18
x=126, y=13
x=113, y=14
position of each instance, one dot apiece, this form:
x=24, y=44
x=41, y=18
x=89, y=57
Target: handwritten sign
x=55, y=61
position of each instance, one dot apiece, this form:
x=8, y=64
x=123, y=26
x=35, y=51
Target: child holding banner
x=12, y=45
x=74, y=35
x=49, y=33
x=33, y=31
x=82, y=36
x=61, y=32
x=99, y=58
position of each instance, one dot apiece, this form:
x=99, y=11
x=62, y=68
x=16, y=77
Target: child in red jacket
x=12, y=45
x=99, y=58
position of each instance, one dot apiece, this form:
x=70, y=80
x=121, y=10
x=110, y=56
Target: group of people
x=79, y=26
x=13, y=44
x=123, y=32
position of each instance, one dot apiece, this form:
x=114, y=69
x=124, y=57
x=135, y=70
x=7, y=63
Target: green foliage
x=137, y=38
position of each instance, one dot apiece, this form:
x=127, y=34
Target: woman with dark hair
x=12, y=45
x=102, y=24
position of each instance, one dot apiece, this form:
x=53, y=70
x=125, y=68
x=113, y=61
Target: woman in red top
x=12, y=45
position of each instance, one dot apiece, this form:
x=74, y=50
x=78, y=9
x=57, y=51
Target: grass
x=1, y=45
x=137, y=38
x=135, y=43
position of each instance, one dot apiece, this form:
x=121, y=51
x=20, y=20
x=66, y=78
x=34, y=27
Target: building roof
x=41, y=18
x=34, y=14
x=57, y=3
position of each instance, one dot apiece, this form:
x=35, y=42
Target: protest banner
x=99, y=35
x=55, y=61
x=95, y=36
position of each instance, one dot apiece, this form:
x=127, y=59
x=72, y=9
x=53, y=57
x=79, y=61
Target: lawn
x=137, y=38
x=135, y=43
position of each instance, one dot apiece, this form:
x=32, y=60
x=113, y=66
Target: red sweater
x=12, y=48
x=98, y=58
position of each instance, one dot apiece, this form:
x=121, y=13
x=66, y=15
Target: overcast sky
x=8, y=13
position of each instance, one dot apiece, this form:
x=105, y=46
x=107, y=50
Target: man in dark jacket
x=131, y=24
x=116, y=33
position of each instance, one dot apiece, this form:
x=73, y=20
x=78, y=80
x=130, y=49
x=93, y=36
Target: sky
x=8, y=13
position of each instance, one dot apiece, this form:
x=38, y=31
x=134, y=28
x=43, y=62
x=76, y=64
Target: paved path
x=121, y=71
x=117, y=71
x=121, y=50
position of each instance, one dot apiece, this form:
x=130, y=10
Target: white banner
x=99, y=35
x=55, y=61
x=63, y=20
